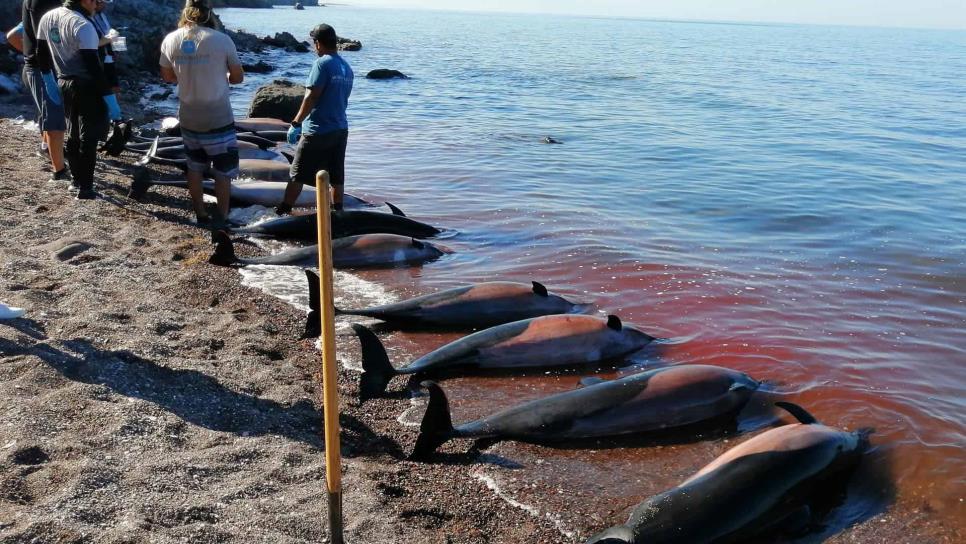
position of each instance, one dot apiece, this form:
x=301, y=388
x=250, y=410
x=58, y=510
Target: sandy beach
x=148, y=396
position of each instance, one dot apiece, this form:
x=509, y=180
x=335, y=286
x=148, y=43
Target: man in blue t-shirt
x=320, y=126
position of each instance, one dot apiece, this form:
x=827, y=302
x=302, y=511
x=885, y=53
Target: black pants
x=86, y=124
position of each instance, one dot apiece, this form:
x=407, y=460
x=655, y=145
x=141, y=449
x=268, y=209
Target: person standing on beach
x=67, y=41
x=42, y=85
x=105, y=50
x=197, y=57
x=320, y=127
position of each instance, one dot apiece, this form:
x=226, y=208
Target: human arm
x=236, y=74
x=15, y=37
x=168, y=75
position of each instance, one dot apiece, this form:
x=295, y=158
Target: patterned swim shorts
x=216, y=150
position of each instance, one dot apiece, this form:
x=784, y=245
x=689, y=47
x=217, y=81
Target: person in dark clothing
x=105, y=48
x=68, y=41
x=43, y=87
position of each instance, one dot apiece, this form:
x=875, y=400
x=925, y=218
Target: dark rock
x=71, y=250
x=245, y=41
x=279, y=99
x=286, y=40
x=257, y=4
x=260, y=67
x=345, y=44
x=383, y=73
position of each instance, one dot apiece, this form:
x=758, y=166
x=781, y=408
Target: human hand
x=113, y=108
x=50, y=85
x=294, y=132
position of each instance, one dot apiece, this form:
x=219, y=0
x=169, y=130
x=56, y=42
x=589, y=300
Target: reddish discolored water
x=782, y=200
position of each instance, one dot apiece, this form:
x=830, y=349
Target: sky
x=890, y=13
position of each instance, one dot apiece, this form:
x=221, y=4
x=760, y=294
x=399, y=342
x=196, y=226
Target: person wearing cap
x=320, y=127
x=67, y=41
x=42, y=85
x=197, y=57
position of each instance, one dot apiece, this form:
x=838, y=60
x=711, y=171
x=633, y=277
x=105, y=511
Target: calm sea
x=783, y=200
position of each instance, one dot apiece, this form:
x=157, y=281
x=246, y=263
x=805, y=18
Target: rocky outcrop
x=245, y=41
x=345, y=44
x=384, y=73
x=260, y=67
x=287, y=41
x=279, y=99
x=265, y=4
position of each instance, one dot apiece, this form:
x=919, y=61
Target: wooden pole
x=330, y=385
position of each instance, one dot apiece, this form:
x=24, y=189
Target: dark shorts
x=320, y=152
x=216, y=150
x=50, y=116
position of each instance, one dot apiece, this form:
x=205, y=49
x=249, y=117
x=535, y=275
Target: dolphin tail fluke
x=800, y=413
x=313, y=323
x=437, y=425
x=140, y=183
x=224, y=254
x=376, y=368
x=151, y=157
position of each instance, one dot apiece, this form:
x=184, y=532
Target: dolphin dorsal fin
x=417, y=244
x=395, y=210
x=614, y=322
x=800, y=413
x=590, y=380
x=539, y=289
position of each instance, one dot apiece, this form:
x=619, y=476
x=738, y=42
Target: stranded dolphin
x=246, y=193
x=758, y=487
x=662, y=400
x=365, y=251
x=540, y=342
x=478, y=305
x=344, y=223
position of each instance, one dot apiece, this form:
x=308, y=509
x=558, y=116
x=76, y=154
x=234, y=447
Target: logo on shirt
x=189, y=47
x=55, y=34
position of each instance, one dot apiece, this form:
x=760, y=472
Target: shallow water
x=782, y=200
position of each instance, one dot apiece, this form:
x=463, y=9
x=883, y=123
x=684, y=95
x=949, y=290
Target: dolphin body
x=264, y=127
x=479, y=305
x=539, y=342
x=249, y=193
x=758, y=487
x=660, y=400
x=365, y=251
x=344, y=223
x=246, y=151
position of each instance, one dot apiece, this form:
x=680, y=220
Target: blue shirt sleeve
x=319, y=76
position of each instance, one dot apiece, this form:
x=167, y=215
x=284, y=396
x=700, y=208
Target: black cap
x=323, y=33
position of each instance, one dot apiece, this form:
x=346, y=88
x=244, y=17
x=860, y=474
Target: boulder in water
x=260, y=67
x=286, y=40
x=383, y=73
x=279, y=99
x=345, y=44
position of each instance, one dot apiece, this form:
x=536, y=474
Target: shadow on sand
x=194, y=396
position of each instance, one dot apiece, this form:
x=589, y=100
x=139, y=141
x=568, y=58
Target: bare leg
x=223, y=194
x=197, y=193
x=55, y=146
x=292, y=192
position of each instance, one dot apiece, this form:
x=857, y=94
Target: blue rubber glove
x=294, y=133
x=50, y=85
x=113, y=109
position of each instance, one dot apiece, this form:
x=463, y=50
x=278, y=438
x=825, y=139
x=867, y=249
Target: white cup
x=119, y=43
